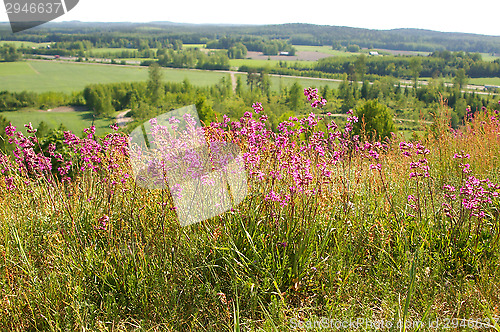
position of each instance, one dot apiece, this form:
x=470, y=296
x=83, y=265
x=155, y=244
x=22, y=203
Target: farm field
x=20, y=43
x=471, y=81
x=489, y=57
x=324, y=49
x=106, y=50
x=42, y=76
x=304, y=82
x=73, y=120
x=110, y=50
x=485, y=81
x=200, y=46
x=261, y=63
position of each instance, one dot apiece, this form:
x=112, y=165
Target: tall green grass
x=352, y=249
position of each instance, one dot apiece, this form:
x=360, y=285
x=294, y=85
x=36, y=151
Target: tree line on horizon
x=162, y=34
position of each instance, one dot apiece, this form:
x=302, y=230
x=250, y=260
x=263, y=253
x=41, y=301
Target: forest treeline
x=437, y=64
x=162, y=34
x=9, y=53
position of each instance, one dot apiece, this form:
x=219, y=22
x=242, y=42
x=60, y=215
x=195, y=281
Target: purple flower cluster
x=87, y=153
x=475, y=195
x=420, y=165
x=312, y=95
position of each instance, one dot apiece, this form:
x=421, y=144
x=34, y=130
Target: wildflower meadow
x=336, y=223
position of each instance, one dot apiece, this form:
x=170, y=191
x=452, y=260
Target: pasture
x=20, y=43
x=286, y=81
x=485, y=81
x=43, y=76
x=106, y=50
x=490, y=57
x=200, y=46
x=323, y=49
x=264, y=63
x=72, y=120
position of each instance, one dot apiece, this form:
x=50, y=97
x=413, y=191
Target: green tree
x=346, y=94
x=376, y=120
x=360, y=67
x=264, y=83
x=9, y=53
x=4, y=139
x=42, y=130
x=415, y=69
x=99, y=100
x=239, y=86
x=353, y=48
x=252, y=78
x=205, y=112
x=294, y=96
x=237, y=51
x=460, y=80
x=155, y=83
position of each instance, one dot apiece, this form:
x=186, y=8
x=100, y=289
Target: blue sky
x=442, y=15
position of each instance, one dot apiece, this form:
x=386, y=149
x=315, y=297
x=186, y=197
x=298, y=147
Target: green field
x=262, y=63
x=489, y=57
x=14, y=69
x=304, y=82
x=485, y=81
x=200, y=46
x=328, y=50
x=472, y=81
x=74, y=121
x=42, y=76
x=104, y=50
x=323, y=49
x=23, y=43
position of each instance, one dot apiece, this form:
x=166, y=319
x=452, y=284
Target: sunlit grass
x=100, y=253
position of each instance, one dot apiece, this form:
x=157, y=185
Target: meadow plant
x=333, y=225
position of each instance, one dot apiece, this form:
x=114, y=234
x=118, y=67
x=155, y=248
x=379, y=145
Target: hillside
x=296, y=33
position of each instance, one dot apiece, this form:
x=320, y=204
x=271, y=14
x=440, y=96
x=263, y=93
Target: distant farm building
x=374, y=53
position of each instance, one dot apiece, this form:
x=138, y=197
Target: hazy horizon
x=252, y=24
x=442, y=16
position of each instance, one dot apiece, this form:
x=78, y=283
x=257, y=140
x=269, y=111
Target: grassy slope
x=24, y=44
x=343, y=254
x=74, y=121
x=324, y=49
x=304, y=82
x=42, y=76
x=262, y=63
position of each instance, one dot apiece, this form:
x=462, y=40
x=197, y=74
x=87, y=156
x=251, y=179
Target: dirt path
x=233, y=81
x=121, y=120
x=66, y=109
